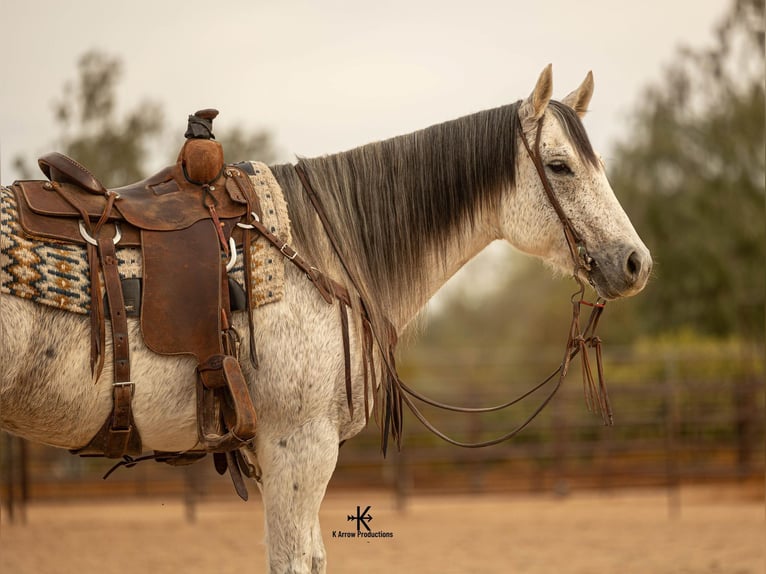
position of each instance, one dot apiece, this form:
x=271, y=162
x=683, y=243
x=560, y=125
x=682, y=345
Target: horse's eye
x=560, y=168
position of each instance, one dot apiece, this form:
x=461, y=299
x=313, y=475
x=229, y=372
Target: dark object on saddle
x=184, y=220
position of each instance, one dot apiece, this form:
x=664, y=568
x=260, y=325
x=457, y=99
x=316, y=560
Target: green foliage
x=691, y=175
x=687, y=355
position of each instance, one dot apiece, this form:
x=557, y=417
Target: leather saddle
x=184, y=220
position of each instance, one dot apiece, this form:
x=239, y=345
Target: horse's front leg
x=296, y=467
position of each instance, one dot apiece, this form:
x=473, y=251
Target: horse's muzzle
x=622, y=272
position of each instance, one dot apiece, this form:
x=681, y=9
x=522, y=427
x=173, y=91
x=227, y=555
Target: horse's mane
x=392, y=202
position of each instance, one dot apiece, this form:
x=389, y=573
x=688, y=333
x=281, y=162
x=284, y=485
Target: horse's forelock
x=575, y=130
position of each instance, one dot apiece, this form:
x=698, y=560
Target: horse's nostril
x=634, y=264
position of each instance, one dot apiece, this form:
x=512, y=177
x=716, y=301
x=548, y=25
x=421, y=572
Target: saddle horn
x=201, y=158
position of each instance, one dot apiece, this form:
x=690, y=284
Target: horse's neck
x=405, y=218
x=468, y=241
x=408, y=291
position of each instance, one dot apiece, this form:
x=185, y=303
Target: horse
x=407, y=213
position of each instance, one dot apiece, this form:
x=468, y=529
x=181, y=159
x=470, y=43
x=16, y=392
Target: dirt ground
x=717, y=531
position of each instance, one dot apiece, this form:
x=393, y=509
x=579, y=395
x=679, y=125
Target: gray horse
x=408, y=213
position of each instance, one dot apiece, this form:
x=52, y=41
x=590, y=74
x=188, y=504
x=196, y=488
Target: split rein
x=580, y=339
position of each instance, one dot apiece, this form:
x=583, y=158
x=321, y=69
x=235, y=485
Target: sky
x=325, y=76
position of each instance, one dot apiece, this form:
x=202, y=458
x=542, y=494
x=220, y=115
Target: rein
x=595, y=393
x=580, y=339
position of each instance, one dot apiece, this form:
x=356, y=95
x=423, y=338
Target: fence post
x=15, y=477
x=192, y=491
x=475, y=458
x=23, y=477
x=560, y=444
x=401, y=478
x=6, y=463
x=672, y=431
x=745, y=396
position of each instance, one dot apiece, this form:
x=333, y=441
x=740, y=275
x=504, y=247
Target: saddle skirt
x=55, y=274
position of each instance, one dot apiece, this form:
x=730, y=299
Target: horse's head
x=619, y=262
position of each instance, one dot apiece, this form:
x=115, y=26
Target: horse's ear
x=534, y=106
x=580, y=98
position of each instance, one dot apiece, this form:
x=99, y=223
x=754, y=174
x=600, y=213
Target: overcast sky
x=325, y=76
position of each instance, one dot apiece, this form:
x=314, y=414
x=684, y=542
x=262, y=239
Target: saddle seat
x=166, y=201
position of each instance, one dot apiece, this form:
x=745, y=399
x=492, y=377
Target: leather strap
x=328, y=229
x=117, y=311
x=97, y=336
x=243, y=190
x=121, y=427
x=329, y=290
x=576, y=244
x=118, y=436
x=327, y=287
x=235, y=472
x=577, y=341
x=58, y=167
x=97, y=327
x=346, y=357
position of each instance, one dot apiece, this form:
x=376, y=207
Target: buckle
x=290, y=257
x=130, y=384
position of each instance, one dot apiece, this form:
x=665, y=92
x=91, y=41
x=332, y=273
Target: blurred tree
x=114, y=149
x=239, y=145
x=692, y=175
x=117, y=149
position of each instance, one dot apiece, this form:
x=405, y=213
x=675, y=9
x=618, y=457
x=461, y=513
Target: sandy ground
x=716, y=531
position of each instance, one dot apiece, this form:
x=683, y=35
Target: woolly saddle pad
x=56, y=274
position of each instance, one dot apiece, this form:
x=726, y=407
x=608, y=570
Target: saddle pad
x=56, y=274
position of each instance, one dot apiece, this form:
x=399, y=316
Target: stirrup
x=226, y=417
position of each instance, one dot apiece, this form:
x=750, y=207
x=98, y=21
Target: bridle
x=577, y=249
x=580, y=339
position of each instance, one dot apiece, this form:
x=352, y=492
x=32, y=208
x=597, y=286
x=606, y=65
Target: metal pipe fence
x=679, y=419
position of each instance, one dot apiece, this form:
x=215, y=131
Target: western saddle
x=184, y=219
